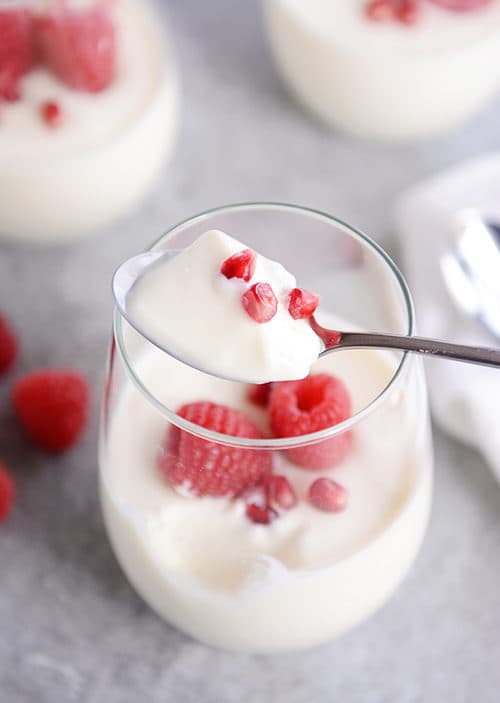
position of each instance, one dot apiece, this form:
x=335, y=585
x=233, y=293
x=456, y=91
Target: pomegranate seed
x=379, y=10
x=327, y=495
x=240, y=265
x=302, y=303
x=260, y=302
x=262, y=516
x=259, y=394
x=407, y=12
x=280, y=492
x=330, y=338
x=51, y=113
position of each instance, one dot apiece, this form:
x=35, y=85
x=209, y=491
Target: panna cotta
x=193, y=305
x=260, y=518
x=77, y=151
x=387, y=78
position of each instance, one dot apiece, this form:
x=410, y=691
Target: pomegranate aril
x=262, y=516
x=51, y=113
x=259, y=302
x=259, y=394
x=328, y=495
x=239, y=265
x=302, y=303
x=379, y=10
x=280, y=493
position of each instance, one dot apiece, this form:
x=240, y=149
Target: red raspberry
x=259, y=393
x=260, y=302
x=462, y=5
x=240, y=265
x=327, y=495
x=206, y=468
x=380, y=10
x=279, y=492
x=312, y=404
x=302, y=303
x=79, y=46
x=17, y=49
x=7, y=492
x=52, y=407
x=262, y=516
x=8, y=346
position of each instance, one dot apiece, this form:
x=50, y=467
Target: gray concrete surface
x=71, y=628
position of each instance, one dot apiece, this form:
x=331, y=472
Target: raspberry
x=206, y=468
x=8, y=346
x=7, y=492
x=51, y=113
x=79, y=46
x=262, y=516
x=327, y=495
x=17, y=49
x=52, y=407
x=302, y=303
x=379, y=10
x=259, y=393
x=312, y=404
x=279, y=492
x=260, y=302
x=240, y=265
x=462, y=5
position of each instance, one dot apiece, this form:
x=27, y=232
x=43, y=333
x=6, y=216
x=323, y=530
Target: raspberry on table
x=206, y=468
x=8, y=346
x=79, y=46
x=312, y=404
x=7, y=492
x=17, y=49
x=52, y=407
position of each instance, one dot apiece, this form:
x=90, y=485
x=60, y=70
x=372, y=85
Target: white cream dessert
x=101, y=152
x=199, y=521
x=387, y=80
x=195, y=311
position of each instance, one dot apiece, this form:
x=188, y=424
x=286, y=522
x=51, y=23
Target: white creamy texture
x=196, y=313
x=58, y=183
x=310, y=575
x=384, y=79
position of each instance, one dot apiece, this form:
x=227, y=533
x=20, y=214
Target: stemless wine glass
x=310, y=575
x=73, y=160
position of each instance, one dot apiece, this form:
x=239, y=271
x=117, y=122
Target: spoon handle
x=420, y=345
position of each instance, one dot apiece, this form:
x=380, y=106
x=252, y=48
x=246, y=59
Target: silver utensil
x=471, y=268
x=128, y=274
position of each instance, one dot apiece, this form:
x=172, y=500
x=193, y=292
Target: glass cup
x=66, y=176
x=200, y=562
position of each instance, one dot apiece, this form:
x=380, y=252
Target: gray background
x=71, y=627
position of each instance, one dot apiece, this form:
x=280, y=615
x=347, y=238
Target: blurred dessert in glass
x=88, y=111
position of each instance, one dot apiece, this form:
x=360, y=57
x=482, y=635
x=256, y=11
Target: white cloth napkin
x=465, y=399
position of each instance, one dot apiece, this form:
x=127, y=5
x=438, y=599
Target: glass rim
x=271, y=443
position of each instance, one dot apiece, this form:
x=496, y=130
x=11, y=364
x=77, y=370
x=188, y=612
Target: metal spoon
x=471, y=269
x=129, y=273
